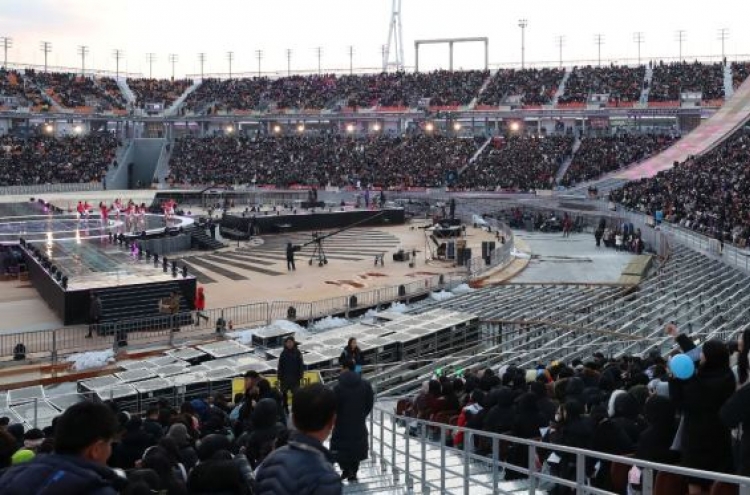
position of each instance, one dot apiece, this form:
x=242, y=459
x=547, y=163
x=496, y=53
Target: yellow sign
x=310, y=377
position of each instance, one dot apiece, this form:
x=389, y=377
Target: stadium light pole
x=599, y=41
x=230, y=58
x=288, y=62
x=723, y=36
x=83, y=50
x=560, y=40
x=151, y=57
x=46, y=47
x=118, y=54
x=351, y=60
x=202, y=60
x=681, y=35
x=639, y=39
x=382, y=55
x=522, y=23
x=7, y=43
x=319, y=51
x=173, y=60
x=259, y=56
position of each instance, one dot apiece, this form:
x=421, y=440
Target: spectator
x=304, y=465
x=622, y=84
x=655, y=442
x=352, y=354
x=266, y=435
x=83, y=436
x=705, y=442
x=157, y=91
x=534, y=86
x=291, y=370
x=354, y=398
x=669, y=81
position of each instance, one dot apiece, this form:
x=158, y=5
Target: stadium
x=395, y=275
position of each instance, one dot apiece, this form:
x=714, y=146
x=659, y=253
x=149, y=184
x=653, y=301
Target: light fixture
x=48, y=128
x=301, y=128
x=229, y=129
x=429, y=127
x=457, y=126
x=349, y=128
x=515, y=126
x=277, y=128
x=78, y=129
x=376, y=127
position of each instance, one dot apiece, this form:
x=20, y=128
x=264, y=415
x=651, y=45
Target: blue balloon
x=682, y=366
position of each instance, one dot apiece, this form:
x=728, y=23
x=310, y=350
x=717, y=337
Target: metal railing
x=418, y=452
x=51, y=188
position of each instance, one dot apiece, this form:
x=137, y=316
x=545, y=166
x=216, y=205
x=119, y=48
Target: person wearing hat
x=290, y=371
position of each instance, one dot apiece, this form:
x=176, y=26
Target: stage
x=270, y=221
x=67, y=257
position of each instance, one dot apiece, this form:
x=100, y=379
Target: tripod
x=318, y=253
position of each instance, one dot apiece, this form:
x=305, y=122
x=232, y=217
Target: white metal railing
x=417, y=450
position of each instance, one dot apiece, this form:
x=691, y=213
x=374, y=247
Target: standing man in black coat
x=290, y=250
x=290, y=371
x=354, y=398
x=95, y=313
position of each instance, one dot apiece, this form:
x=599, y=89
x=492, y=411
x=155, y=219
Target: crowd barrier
x=51, y=188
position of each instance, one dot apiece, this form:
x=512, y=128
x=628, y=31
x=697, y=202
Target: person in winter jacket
x=291, y=370
x=655, y=442
x=304, y=465
x=736, y=413
x=200, y=306
x=706, y=442
x=83, y=444
x=351, y=353
x=179, y=433
x=354, y=399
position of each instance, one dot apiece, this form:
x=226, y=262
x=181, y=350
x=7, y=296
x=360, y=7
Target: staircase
x=476, y=155
x=175, y=106
x=564, y=167
x=561, y=88
x=647, y=85
x=481, y=90
x=140, y=303
x=50, y=101
x=728, y=83
x=203, y=241
x=126, y=91
x=162, y=165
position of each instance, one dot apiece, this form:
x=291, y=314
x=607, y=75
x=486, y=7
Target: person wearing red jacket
x=200, y=306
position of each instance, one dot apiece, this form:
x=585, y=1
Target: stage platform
x=280, y=221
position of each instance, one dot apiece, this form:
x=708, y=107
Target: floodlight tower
x=599, y=41
x=173, y=60
x=639, y=40
x=259, y=57
x=395, y=40
x=202, y=60
x=680, y=35
x=83, y=50
x=118, y=54
x=151, y=57
x=230, y=58
x=723, y=36
x=560, y=40
x=46, y=47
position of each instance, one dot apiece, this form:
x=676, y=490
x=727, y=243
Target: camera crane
x=319, y=253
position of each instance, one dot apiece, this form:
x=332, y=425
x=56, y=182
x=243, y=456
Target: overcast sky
x=187, y=27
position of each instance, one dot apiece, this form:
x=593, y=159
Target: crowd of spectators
x=630, y=406
x=600, y=155
x=740, y=72
x=210, y=445
x=518, y=163
x=325, y=159
x=670, y=80
x=48, y=160
x=226, y=95
x=72, y=90
x=535, y=86
x=621, y=83
x=442, y=88
x=13, y=85
x=709, y=194
x=162, y=91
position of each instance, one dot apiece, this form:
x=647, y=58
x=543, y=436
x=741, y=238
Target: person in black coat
x=706, y=442
x=304, y=465
x=290, y=250
x=736, y=412
x=291, y=370
x=351, y=354
x=354, y=398
x=655, y=442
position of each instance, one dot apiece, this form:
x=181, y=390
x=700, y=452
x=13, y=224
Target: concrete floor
x=573, y=259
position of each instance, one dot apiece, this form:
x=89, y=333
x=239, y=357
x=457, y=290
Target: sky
x=215, y=27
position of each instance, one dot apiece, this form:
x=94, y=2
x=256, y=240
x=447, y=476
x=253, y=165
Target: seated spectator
x=83, y=436
x=26, y=95
x=72, y=90
x=160, y=91
x=304, y=462
x=740, y=71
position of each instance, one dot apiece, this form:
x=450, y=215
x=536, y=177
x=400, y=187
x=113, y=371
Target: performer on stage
x=117, y=207
x=142, y=217
x=79, y=210
x=86, y=209
x=169, y=208
x=104, y=211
